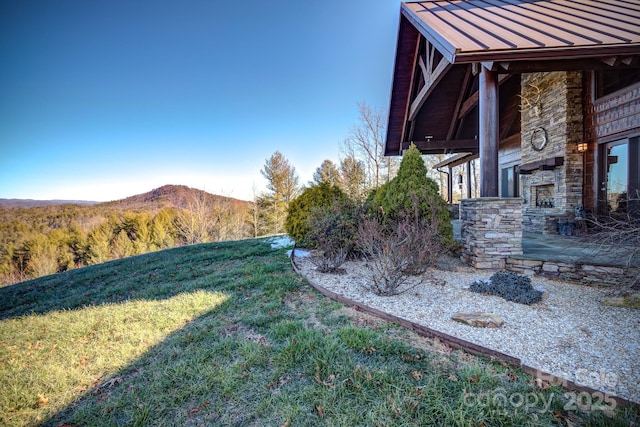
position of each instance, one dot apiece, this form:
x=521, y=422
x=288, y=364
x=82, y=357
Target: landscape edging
x=461, y=344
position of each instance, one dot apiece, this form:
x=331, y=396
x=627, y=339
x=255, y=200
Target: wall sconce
x=582, y=147
x=460, y=181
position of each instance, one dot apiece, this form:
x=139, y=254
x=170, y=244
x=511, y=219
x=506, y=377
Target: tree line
x=362, y=168
x=45, y=240
x=39, y=241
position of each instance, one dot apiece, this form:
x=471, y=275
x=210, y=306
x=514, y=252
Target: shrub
x=301, y=208
x=397, y=249
x=509, y=286
x=385, y=253
x=332, y=230
x=412, y=185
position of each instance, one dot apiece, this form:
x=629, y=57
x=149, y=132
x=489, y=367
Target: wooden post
x=468, y=180
x=488, y=132
x=450, y=186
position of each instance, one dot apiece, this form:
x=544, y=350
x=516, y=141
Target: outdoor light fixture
x=582, y=147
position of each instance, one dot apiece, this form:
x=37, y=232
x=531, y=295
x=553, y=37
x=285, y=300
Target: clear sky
x=101, y=100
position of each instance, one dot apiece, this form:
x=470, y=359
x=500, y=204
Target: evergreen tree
x=122, y=246
x=99, y=244
x=301, y=209
x=327, y=173
x=411, y=184
x=41, y=256
x=162, y=229
x=283, y=186
x=352, y=177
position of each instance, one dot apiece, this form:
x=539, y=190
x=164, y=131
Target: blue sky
x=102, y=100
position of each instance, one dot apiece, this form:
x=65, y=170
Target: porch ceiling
x=441, y=43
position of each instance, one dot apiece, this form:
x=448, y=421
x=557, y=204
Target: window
x=510, y=184
x=622, y=176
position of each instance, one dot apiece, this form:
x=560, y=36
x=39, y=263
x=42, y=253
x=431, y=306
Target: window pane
x=508, y=184
x=617, y=176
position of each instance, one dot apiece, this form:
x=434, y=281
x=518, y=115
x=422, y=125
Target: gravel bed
x=569, y=333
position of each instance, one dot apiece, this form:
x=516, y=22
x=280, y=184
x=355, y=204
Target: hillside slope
x=228, y=334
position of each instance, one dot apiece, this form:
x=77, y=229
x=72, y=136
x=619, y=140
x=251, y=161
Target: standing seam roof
x=472, y=27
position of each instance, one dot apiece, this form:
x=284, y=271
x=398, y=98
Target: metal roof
x=493, y=30
x=434, y=95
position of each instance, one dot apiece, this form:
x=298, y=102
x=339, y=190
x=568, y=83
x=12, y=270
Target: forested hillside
x=41, y=240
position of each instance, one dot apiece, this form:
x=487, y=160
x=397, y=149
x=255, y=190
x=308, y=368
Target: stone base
x=491, y=231
x=542, y=223
x=586, y=274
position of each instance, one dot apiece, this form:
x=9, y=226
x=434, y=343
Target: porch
x=571, y=258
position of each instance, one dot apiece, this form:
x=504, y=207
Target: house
x=545, y=92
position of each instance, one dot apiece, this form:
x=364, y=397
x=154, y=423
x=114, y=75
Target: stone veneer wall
x=580, y=273
x=559, y=111
x=491, y=231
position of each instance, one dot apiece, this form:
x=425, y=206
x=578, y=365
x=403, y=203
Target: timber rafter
x=433, y=67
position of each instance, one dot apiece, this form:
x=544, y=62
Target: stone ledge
x=589, y=274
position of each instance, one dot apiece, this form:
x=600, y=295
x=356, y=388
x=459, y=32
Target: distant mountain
x=29, y=203
x=167, y=196
x=177, y=196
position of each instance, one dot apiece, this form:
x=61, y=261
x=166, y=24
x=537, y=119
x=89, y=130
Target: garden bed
x=570, y=333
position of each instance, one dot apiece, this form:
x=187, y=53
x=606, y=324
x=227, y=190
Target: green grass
x=228, y=334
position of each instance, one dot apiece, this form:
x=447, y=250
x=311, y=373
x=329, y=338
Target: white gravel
x=569, y=334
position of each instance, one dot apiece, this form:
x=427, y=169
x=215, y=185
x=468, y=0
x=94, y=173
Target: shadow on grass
x=169, y=312
x=153, y=276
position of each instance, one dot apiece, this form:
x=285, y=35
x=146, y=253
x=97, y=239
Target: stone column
x=491, y=231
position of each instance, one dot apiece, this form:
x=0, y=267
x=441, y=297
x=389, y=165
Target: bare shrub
x=618, y=232
x=399, y=248
x=332, y=231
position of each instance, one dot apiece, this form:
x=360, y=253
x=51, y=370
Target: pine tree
x=352, y=177
x=412, y=184
x=99, y=244
x=283, y=186
x=327, y=173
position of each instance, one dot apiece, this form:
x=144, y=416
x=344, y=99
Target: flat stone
x=629, y=301
x=479, y=319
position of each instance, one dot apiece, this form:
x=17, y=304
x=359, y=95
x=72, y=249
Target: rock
x=629, y=301
x=479, y=319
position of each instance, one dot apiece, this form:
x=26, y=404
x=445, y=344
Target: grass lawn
x=228, y=334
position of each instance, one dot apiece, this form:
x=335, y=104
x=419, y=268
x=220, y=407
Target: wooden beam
x=512, y=140
x=472, y=101
x=488, y=132
x=431, y=78
x=442, y=146
x=514, y=113
x=468, y=105
x=545, y=164
x=410, y=123
x=454, y=116
x=423, y=67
